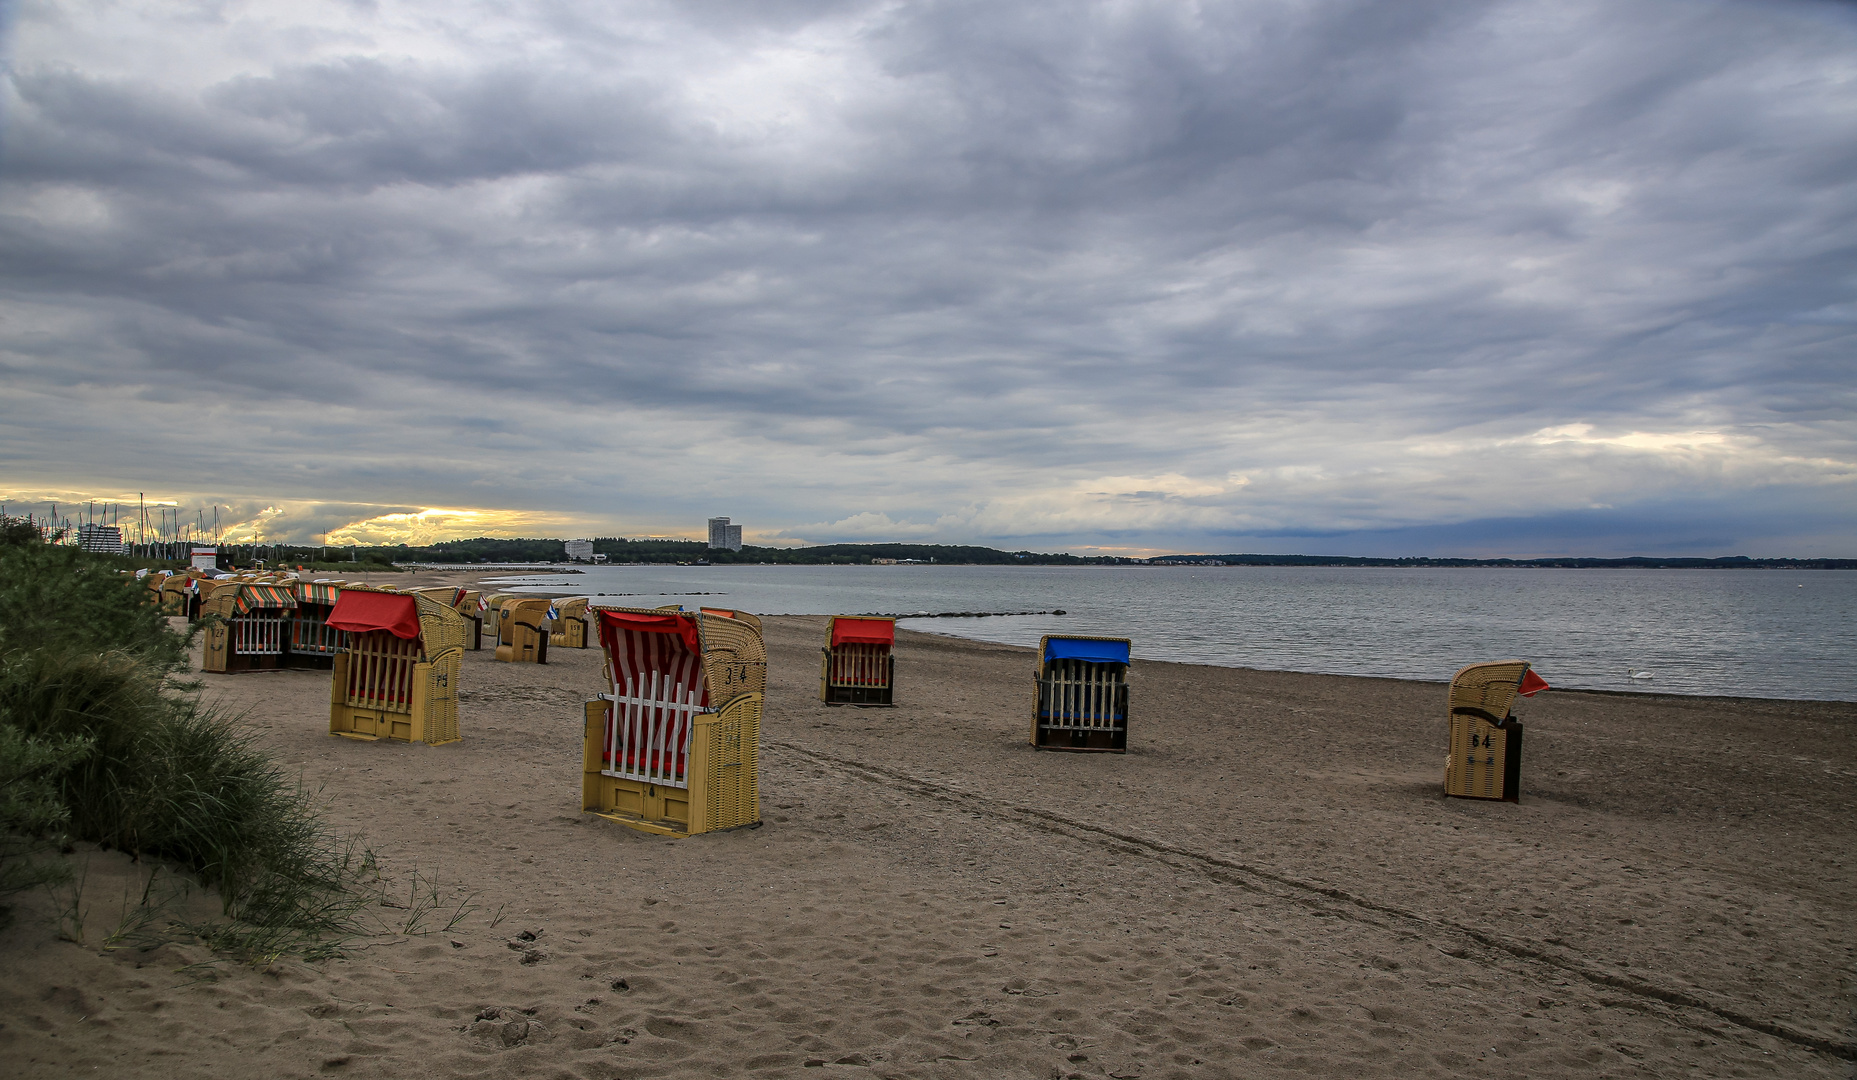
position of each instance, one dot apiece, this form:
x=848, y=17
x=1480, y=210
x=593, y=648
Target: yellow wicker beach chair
x=398, y=676
x=568, y=627
x=738, y=616
x=1081, y=694
x=465, y=602
x=248, y=626
x=179, y=593
x=674, y=748
x=523, y=631
x=858, y=667
x=470, y=608
x=492, y=606
x=1485, y=761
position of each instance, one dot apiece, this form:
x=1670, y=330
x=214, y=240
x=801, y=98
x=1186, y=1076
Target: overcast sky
x=1348, y=278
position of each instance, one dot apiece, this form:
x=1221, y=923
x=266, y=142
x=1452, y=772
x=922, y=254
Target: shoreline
x=452, y=577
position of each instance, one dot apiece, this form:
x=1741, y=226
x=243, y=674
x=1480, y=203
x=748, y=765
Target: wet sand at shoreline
x=1271, y=881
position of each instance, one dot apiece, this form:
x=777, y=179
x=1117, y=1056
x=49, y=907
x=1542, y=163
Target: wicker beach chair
x=464, y=602
x=1081, y=698
x=567, y=629
x=522, y=630
x=398, y=676
x=674, y=748
x=491, y=605
x=1485, y=760
x=180, y=594
x=858, y=666
x=470, y=607
x=248, y=626
x=738, y=616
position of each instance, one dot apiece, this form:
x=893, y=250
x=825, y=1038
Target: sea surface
x=1742, y=633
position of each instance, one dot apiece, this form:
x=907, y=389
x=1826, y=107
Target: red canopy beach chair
x=1485, y=760
x=859, y=667
x=398, y=676
x=673, y=748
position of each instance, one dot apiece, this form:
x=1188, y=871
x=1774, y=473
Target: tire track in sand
x=1327, y=897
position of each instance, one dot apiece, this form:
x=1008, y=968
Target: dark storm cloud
x=1120, y=274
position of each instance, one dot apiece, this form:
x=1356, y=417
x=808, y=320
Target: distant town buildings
x=579, y=550
x=104, y=538
x=723, y=536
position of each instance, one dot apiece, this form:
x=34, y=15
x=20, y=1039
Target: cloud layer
x=1337, y=276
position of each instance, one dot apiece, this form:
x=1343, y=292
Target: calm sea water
x=1749, y=633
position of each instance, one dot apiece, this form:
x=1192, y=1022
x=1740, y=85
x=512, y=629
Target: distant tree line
x=1730, y=562
x=620, y=551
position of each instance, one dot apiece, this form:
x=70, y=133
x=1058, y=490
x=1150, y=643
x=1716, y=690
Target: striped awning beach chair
x=1485, y=759
x=398, y=676
x=673, y=748
x=859, y=667
x=1081, y=694
x=313, y=642
x=248, y=627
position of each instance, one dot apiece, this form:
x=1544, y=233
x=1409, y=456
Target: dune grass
x=108, y=748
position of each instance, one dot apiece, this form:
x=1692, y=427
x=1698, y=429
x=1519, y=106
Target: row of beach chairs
x=672, y=744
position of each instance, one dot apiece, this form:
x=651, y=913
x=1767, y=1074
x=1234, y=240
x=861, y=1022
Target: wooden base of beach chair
x=528, y=645
x=864, y=697
x=220, y=653
x=430, y=717
x=722, y=788
x=1105, y=742
x=1485, y=760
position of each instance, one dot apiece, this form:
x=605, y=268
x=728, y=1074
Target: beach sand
x=1270, y=882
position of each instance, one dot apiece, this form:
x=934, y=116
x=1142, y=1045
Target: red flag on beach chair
x=1532, y=684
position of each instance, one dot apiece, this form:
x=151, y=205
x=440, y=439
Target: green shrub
x=56, y=597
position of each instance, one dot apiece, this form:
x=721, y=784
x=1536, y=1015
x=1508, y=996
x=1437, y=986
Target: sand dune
x=1271, y=883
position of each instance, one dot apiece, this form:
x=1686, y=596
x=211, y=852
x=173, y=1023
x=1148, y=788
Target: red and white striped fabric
x=658, y=688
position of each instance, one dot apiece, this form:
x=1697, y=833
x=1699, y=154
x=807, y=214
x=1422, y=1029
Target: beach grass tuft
x=100, y=743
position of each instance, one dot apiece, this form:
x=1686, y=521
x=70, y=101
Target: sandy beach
x=1270, y=882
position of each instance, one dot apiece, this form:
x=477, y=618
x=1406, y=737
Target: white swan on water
x=1634, y=673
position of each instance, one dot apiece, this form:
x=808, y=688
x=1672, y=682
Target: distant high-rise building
x=104, y=538
x=723, y=536
x=580, y=550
